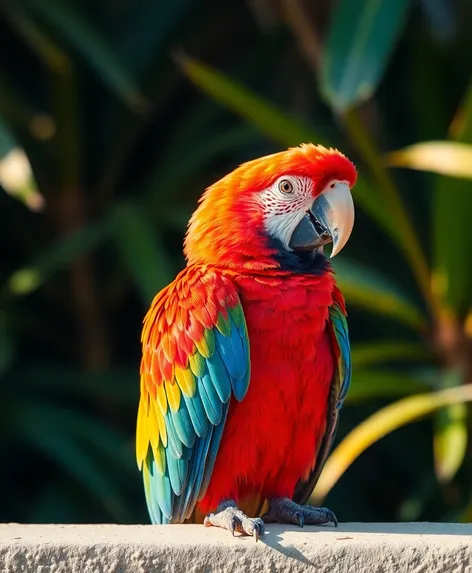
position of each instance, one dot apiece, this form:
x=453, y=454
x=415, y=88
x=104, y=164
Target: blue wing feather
x=177, y=472
x=174, y=444
x=183, y=426
x=212, y=452
x=210, y=400
x=197, y=414
x=158, y=491
x=218, y=371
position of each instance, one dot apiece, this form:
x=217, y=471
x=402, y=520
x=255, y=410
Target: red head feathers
x=262, y=199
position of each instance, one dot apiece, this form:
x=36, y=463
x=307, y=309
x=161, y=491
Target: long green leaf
x=367, y=385
x=269, y=119
x=115, y=386
x=74, y=26
x=366, y=289
x=171, y=173
x=148, y=28
x=450, y=441
x=383, y=422
x=64, y=96
x=367, y=354
x=28, y=279
x=278, y=126
x=361, y=38
x=142, y=250
x=452, y=231
x=450, y=433
x=405, y=234
x=60, y=434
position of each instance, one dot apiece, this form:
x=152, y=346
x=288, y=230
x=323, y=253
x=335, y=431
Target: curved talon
x=233, y=524
x=330, y=516
x=229, y=517
x=333, y=518
x=285, y=510
x=299, y=519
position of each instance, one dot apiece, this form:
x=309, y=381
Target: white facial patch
x=283, y=211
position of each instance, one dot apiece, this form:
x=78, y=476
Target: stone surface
x=351, y=548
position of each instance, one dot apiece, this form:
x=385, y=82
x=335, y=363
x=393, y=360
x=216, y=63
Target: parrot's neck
x=304, y=262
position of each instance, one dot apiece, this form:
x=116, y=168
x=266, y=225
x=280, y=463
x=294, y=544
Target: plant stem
x=407, y=236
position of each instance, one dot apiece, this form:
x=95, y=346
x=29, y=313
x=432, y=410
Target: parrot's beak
x=329, y=219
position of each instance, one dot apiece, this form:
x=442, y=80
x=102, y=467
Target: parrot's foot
x=284, y=510
x=229, y=517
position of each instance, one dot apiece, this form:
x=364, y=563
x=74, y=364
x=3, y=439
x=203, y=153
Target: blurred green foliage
x=114, y=116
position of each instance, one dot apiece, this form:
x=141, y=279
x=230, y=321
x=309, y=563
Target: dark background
x=126, y=111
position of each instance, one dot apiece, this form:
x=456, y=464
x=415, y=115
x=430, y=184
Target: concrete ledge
x=351, y=548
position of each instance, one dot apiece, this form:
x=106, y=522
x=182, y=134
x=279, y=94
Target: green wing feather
x=339, y=388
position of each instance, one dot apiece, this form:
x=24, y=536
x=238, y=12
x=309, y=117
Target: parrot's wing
x=195, y=357
x=339, y=388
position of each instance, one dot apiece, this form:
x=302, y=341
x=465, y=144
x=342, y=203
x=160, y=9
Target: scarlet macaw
x=246, y=356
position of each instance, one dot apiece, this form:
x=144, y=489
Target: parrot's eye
x=286, y=186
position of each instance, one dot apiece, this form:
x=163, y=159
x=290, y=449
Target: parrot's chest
x=290, y=350
x=283, y=415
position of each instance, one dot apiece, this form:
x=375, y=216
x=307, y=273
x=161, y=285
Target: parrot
x=246, y=355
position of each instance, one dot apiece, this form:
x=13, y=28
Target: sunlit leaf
x=450, y=441
x=384, y=384
x=365, y=288
x=367, y=354
x=445, y=157
x=16, y=176
x=450, y=434
x=383, y=422
x=361, y=38
x=466, y=515
x=142, y=250
x=18, y=181
x=75, y=27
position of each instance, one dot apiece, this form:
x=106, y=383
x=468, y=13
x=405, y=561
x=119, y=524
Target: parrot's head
x=275, y=210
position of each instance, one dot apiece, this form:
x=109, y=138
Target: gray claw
x=333, y=518
x=299, y=519
x=284, y=510
x=229, y=517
